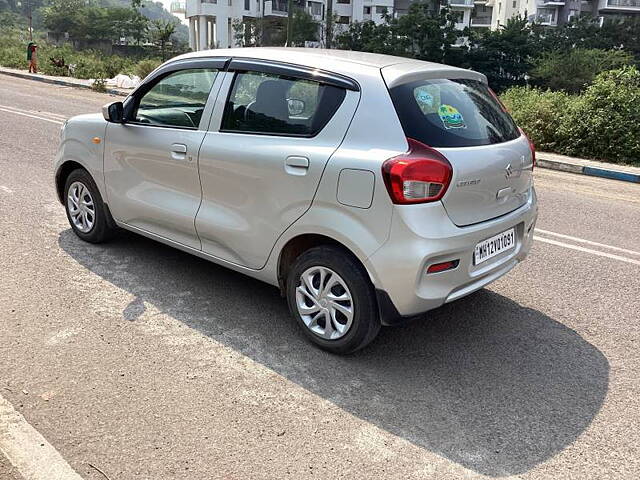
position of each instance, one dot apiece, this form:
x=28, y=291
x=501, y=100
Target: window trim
x=292, y=70
x=270, y=134
x=133, y=100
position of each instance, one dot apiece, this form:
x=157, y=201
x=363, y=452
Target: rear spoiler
x=407, y=72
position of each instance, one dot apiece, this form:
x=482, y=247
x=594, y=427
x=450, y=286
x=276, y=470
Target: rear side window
x=279, y=105
x=452, y=113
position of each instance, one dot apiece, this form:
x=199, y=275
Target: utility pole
x=289, y=22
x=329, y=33
x=30, y=16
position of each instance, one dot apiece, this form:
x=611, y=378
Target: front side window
x=279, y=105
x=452, y=113
x=177, y=100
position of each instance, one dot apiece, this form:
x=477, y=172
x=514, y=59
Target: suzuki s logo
x=508, y=171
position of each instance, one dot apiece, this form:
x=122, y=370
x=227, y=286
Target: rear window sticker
x=451, y=117
x=428, y=98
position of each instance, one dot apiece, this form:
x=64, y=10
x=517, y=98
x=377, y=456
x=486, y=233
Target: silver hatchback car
x=368, y=188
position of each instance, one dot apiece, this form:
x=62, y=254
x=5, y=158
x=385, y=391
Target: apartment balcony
x=315, y=9
x=276, y=8
x=546, y=19
x=551, y=3
x=620, y=5
x=461, y=3
x=480, y=22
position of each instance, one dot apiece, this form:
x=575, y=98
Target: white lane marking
x=588, y=242
x=5, y=189
x=59, y=122
x=54, y=116
x=28, y=451
x=587, y=250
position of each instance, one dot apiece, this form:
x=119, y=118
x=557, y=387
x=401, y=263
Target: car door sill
x=258, y=274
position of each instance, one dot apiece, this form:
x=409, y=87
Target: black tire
x=366, y=319
x=103, y=225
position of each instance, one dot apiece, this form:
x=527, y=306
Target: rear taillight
x=421, y=175
x=532, y=147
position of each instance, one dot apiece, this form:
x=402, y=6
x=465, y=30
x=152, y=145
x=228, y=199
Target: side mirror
x=296, y=107
x=113, y=112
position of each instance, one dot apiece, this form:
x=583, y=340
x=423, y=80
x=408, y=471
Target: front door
x=260, y=169
x=151, y=161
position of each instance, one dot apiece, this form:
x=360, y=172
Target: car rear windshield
x=452, y=113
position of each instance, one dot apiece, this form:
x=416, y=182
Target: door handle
x=295, y=165
x=178, y=151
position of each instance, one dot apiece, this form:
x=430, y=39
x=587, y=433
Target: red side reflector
x=441, y=267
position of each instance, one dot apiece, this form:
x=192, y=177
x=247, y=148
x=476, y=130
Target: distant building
x=558, y=12
x=210, y=21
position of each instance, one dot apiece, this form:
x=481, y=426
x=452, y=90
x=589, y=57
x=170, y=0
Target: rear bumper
x=422, y=235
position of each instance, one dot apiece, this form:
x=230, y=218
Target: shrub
x=13, y=56
x=604, y=123
x=99, y=85
x=145, y=67
x=115, y=64
x=573, y=70
x=539, y=113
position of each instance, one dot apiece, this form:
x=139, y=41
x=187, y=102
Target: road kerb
x=610, y=173
x=58, y=81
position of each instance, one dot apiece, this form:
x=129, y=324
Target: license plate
x=495, y=245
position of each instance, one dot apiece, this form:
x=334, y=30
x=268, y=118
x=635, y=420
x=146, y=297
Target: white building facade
x=210, y=21
x=557, y=12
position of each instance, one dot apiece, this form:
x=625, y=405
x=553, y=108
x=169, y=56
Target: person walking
x=32, y=57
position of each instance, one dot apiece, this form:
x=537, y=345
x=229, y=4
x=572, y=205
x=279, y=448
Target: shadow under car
x=485, y=382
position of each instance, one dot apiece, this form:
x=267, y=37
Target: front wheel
x=331, y=297
x=87, y=213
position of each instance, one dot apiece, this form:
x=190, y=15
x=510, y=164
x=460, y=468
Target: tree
x=303, y=29
x=505, y=55
x=289, y=22
x=574, y=69
x=328, y=34
x=162, y=32
x=138, y=23
x=65, y=16
x=426, y=32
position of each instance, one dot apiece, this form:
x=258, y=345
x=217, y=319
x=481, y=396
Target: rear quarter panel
x=374, y=135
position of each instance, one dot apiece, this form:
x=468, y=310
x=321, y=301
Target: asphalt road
x=148, y=363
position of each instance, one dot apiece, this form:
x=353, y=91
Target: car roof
x=395, y=70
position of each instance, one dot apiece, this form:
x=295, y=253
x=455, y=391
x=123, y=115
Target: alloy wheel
x=324, y=303
x=81, y=207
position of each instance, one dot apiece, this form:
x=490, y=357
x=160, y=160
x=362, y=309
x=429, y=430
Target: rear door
x=263, y=156
x=492, y=162
x=151, y=161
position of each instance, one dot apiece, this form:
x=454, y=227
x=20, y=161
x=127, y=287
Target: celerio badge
x=466, y=183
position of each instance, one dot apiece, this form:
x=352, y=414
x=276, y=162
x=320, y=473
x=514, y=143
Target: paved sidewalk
x=594, y=168
x=67, y=81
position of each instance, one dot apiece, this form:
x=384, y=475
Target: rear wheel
x=331, y=297
x=87, y=213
